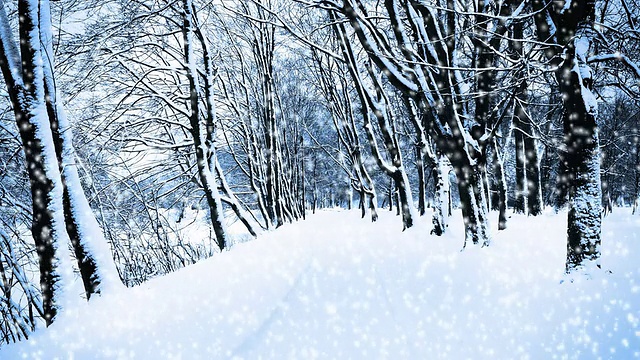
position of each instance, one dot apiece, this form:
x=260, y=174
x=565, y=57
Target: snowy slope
x=336, y=286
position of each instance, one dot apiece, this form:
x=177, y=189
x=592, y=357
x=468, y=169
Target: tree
x=60, y=210
x=335, y=87
x=264, y=110
x=374, y=100
x=582, y=153
x=419, y=62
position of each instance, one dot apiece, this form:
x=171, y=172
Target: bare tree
x=60, y=210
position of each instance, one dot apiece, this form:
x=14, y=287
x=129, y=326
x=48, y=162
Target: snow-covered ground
x=338, y=287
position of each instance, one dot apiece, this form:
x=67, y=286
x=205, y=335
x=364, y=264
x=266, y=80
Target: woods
x=146, y=135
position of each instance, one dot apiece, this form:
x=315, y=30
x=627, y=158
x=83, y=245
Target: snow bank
x=336, y=286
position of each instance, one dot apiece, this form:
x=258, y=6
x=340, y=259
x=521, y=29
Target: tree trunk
x=362, y=202
x=422, y=187
x=581, y=137
x=472, y=202
x=532, y=172
x=519, y=206
x=405, y=198
x=373, y=205
x=390, y=194
x=232, y=201
x=23, y=73
x=496, y=177
x=441, y=204
x=501, y=186
x=92, y=252
x=205, y=173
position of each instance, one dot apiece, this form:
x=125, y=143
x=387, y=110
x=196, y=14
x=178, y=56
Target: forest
x=140, y=137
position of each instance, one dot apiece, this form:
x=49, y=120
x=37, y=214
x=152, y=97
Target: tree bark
x=521, y=181
x=422, y=186
x=205, y=172
x=501, y=186
x=582, y=152
x=24, y=76
x=441, y=201
x=532, y=174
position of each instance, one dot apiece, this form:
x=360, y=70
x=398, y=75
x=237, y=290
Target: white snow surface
x=337, y=286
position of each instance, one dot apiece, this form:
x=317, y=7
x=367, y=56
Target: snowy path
x=336, y=286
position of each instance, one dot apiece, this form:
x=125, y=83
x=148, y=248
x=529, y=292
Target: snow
x=90, y=234
x=581, y=67
x=337, y=286
x=9, y=47
x=34, y=104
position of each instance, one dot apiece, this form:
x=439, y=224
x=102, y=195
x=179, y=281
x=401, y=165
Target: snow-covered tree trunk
x=421, y=150
x=24, y=76
x=472, y=202
x=263, y=48
x=375, y=101
x=441, y=170
x=501, y=186
x=582, y=146
x=521, y=181
x=573, y=26
x=210, y=129
x=422, y=186
x=243, y=215
x=205, y=173
x=91, y=249
x=367, y=184
x=532, y=173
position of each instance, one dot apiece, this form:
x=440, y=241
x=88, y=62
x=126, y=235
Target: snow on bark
x=441, y=200
x=375, y=101
x=49, y=232
x=583, y=70
x=10, y=50
x=91, y=236
x=205, y=173
x=92, y=250
x=585, y=192
x=243, y=215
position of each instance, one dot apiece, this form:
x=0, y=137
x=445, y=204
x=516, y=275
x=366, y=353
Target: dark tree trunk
x=582, y=157
x=43, y=228
x=403, y=198
x=441, y=201
x=519, y=205
x=562, y=183
x=532, y=172
x=362, y=203
x=583, y=169
x=87, y=265
x=472, y=202
x=390, y=194
x=527, y=165
x=421, y=179
x=25, y=84
x=496, y=178
x=501, y=186
x=373, y=207
x=398, y=203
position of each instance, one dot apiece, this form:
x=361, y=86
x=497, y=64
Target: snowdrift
x=337, y=286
